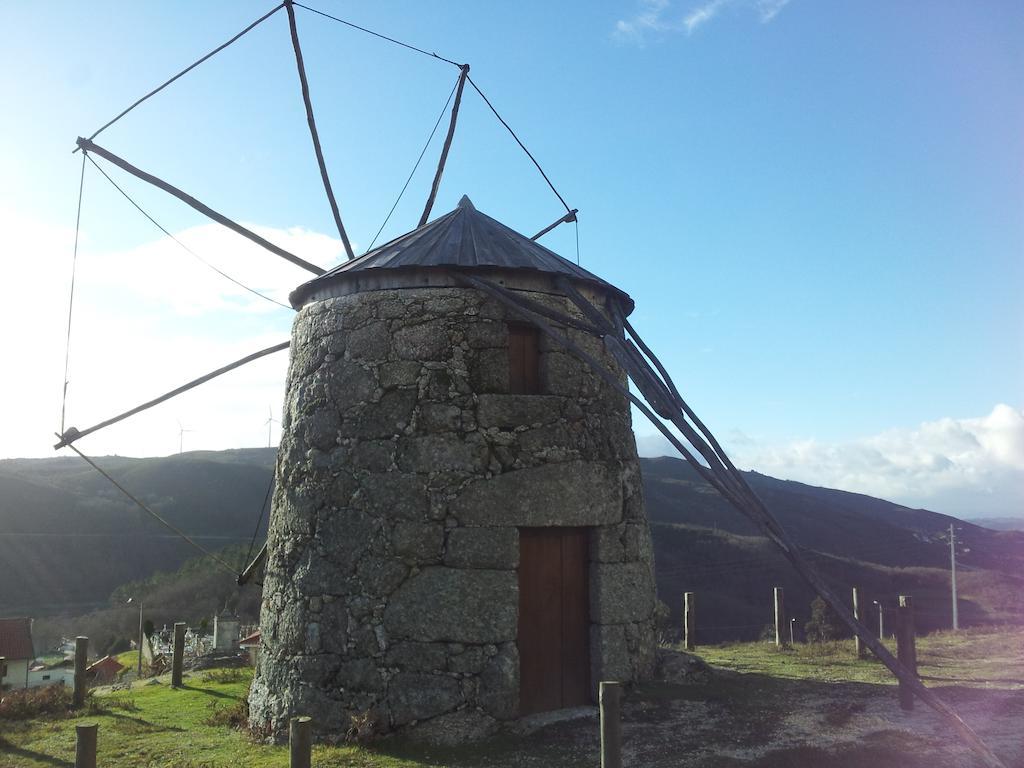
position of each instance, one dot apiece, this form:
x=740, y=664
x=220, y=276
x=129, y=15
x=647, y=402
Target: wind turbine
x=270, y=423
x=181, y=436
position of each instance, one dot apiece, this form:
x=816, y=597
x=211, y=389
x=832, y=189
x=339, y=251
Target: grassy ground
x=974, y=657
x=156, y=726
x=796, y=708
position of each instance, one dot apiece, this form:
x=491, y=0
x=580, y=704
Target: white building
x=16, y=648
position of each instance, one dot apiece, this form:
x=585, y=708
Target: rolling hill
x=68, y=539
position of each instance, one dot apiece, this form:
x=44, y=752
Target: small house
x=16, y=648
x=104, y=670
x=251, y=645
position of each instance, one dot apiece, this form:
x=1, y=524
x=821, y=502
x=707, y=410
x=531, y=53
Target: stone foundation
x=404, y=473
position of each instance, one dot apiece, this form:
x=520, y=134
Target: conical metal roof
x=464, y=239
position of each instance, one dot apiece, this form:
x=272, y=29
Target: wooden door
x=554, y=619
x=523, y=360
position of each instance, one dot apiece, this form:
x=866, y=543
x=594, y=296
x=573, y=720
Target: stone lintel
x=572, y=493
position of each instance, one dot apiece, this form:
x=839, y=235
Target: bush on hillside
x=27, y=703
x=823, y=625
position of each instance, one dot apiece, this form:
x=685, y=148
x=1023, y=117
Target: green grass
x=978, y=657
x=128, y=659
x=156, y=726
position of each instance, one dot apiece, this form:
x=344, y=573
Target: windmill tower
x=458, y=530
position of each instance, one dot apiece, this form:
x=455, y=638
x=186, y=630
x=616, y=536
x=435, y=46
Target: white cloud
x=968, y=467
x=661, y=16
x=146, y=320
x=702, y=14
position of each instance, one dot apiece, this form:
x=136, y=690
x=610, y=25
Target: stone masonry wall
x=404, y=471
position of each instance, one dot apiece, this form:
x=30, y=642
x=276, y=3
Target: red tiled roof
x=253, y=639
x=107, y=664
x=16, y=639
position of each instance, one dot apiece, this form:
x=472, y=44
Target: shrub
x=235, y=715
x=228, y=675
x=26, y=703
x=823, y=625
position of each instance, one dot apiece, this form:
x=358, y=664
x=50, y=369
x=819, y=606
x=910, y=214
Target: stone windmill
x=458, y=530
x=458, y=534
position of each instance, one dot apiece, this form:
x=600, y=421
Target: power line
x=187, y=249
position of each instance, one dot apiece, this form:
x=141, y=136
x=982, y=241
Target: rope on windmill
x=181, y=534
x=71, y=297
x=416, y=165
x=520, y=143
x=185, y=71
x=378, y=34
x=188, y=250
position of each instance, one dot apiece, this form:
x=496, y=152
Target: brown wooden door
x=554, y=619
x=523, y=360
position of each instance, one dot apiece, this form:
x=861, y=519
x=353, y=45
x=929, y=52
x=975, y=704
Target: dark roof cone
x=463, y=239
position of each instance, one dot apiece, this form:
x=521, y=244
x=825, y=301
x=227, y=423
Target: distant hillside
x=703, y=545
x=1000, y=523
x=68, y=539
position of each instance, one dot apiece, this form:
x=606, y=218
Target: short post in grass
x=81, y=660
x=610, y=699
x=300, y=742
x=178, y=654
x=689, y=621
x=858, y=614
x=906, y=647
x=780, y=617
x=3, y=671
x=85, y=745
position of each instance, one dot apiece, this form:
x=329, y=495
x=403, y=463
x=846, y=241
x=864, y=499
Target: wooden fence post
x=3, y=671
x=858, y=614
x=85, y=745
x=178, y=654
x=81, y=660
x=689, y=621
x=906, y=647
x=610, y=698
x=300, y=742
x=780, y=617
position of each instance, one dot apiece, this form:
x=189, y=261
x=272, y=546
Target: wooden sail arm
x=570, y=216
x=91, y=146
x=245, y=576
x=304, y=84
x=71, y=434
x=447, y=145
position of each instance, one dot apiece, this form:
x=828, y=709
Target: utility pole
x=952, y=569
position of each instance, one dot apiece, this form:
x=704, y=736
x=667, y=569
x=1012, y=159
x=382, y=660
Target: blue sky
x=817, y=206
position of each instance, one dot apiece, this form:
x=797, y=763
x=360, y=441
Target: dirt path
x=714, y=718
